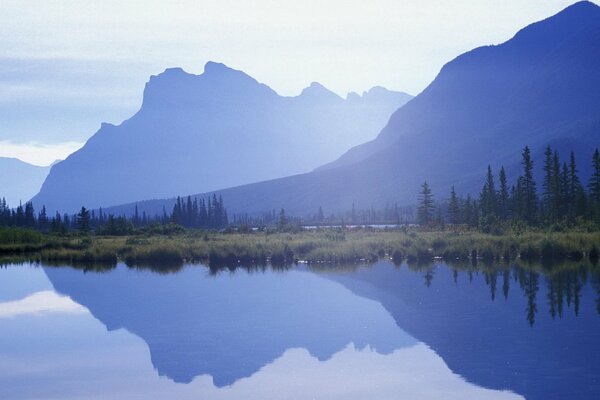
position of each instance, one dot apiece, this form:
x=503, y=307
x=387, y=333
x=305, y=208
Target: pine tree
x=563, y=204
x=594, y=185
x=136, y=216
x=503, y=196
x=83, y=220
x=29, y=215
x=426, y=207
x=454, y=207
x=577, y=198
x=468, y=211
x=487, y=198
x=549, y=186
x=43, y=218
x=527, y=192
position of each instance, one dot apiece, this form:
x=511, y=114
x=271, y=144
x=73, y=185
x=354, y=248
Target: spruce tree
x=83, y=220
x=564, y=197
x=577, y=200
x=467, y=210
x=43, y=218
x=528, y=195
x=454, y=207
x=503, y=196
x=551, y=185
x=594, y=185
x=487, y=198
x=426, y=207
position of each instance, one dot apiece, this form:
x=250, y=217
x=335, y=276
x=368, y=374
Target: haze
x=67, y=66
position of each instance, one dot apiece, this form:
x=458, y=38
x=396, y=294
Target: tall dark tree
x=426, y=206
x=576, y=194
x=594, y=185
x=487, y=198
x=29, y=215
x=527, y=190
x=453, y=207
x=468, y=212
x=550, y=186
x=83, y=219
x=503, y=196
x=43, y=218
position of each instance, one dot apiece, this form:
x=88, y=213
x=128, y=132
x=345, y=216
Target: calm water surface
x=370, y=332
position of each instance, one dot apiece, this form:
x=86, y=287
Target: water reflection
x=229, y=326
x=379, y=331
x=518, y=343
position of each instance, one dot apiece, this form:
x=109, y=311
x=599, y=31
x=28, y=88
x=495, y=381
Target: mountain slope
x=19, y=181
x=542, y=87
x=222, y=128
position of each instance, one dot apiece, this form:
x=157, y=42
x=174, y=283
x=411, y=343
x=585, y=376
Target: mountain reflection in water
x=324, y=331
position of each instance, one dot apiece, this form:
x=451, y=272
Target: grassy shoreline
x=319, y=246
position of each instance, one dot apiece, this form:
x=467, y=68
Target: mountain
x=19, y=181
x=219, y=129
x=542, y=87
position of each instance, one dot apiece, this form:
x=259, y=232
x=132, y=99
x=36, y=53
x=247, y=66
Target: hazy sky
x=66, y=66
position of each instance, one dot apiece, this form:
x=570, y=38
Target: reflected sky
x=347, y=334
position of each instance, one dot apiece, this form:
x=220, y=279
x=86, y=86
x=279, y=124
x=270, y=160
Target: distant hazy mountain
x=19, y=181
x=222, y=128
x=542, y=87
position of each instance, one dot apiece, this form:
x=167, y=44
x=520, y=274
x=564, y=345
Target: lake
x=378, y=331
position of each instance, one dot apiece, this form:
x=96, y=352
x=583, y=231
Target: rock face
x=19, y=181
x=197, y=133
x=542, y=87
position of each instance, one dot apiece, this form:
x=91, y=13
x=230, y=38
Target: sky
x=68, y=65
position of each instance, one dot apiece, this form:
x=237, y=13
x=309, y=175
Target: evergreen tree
x=549, y=186
x=29, y=215
x=56, y=223
x=83, y=220
x=527, y=192
x=468, y=211
x=503, y=196
x=487, y=198
x=576, y=196
x=19, y=216
x=136, y=216
x=426, y=206
x=563, y=203
x=594, y=185
x=43, y=218
x=453, y=207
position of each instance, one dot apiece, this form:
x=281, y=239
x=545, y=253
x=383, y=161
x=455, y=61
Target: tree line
x=200, y=213
x=563, y=199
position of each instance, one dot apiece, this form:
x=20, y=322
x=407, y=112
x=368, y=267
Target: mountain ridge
x=539, y=88
x=204, y=132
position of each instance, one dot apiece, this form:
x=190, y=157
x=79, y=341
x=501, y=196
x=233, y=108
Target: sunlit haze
x=67, y=66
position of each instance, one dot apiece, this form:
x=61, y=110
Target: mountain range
x=540, y=88
x=196, y=133
x=19, y=181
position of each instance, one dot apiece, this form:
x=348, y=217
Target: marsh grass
x=333, y=246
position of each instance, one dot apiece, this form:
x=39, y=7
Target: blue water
x=379, y=331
